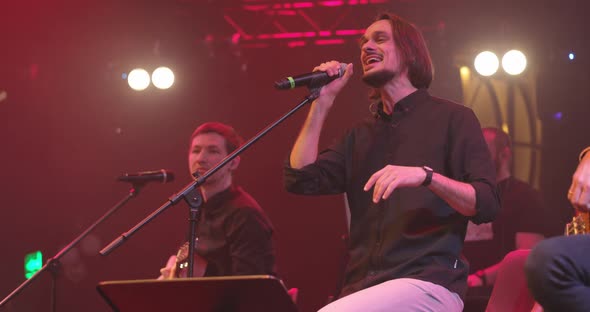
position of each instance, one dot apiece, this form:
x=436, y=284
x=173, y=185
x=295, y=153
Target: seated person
x=521, y=223
x=558, y=269
x=234, y=235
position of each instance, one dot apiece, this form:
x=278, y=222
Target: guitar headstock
x=181, y=266
x=580, y=224
x=182, y=253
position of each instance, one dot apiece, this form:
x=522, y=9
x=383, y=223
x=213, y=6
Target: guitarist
x=558, y=269
x=234, y=235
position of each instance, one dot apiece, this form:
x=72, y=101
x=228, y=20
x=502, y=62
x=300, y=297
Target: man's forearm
x=460, y=196
x=305, y=149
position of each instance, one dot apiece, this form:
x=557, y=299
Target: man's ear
x=234, y=163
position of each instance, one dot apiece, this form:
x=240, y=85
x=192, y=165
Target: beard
x=379, y=78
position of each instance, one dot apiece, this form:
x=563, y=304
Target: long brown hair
x=412, y=50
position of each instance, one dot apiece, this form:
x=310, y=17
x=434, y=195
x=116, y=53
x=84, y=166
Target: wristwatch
x=428, y=178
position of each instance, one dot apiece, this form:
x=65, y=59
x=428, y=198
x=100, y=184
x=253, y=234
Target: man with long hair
x=414, y=174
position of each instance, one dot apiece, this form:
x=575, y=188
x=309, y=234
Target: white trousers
x=400, y=295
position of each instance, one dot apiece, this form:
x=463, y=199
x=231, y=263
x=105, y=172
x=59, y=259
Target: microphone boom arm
x=53, y=264
x=190, y=190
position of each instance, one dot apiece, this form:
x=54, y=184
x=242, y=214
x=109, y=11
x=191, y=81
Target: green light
x=33, y=263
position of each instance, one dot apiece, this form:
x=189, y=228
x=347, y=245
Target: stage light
x=138, y=79
x=464, y=71
x=571, y=56
x=163, y=78
x=486, y=63
x=514, y=62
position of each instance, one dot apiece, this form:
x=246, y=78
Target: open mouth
x=372, y=59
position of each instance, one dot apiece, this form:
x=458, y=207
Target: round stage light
x=163, y=77
x=138, y=79
x=514, y=62
x=486, y=63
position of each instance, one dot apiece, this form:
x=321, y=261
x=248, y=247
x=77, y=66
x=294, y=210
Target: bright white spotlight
x=163, y=78
x=486, y=63
x=514, y=62
x=138, y=79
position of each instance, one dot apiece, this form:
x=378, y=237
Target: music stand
x=261, y=293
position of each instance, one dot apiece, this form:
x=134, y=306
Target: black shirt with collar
x=414, y=233
x=235, y=235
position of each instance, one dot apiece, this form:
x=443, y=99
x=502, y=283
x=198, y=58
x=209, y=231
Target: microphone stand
x=193, y=196
x=53, y=263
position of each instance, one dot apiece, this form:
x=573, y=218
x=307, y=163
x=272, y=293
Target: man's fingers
x=582, y=201
x=349, y=70
x=390, y=188
x=372, y=180
x=165, y=273
x=381, y=185
x=578, y=194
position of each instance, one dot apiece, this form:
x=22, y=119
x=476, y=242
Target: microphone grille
x=168, y=176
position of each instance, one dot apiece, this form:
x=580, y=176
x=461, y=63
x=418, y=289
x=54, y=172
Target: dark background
x=70, y=125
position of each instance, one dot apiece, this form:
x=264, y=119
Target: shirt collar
x=403, y=106
x=216, y=200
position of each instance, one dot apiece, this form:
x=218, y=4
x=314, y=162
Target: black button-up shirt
x=414, y=233
x=235, y=235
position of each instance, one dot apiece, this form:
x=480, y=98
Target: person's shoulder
x=245, y=210
x=243, y=200
x=449, y=104
x=454, y=112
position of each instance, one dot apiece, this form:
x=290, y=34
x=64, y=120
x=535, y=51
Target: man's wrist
x=428, y=178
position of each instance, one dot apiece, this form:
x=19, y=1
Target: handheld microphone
x=161, y=175
x=311, y=80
